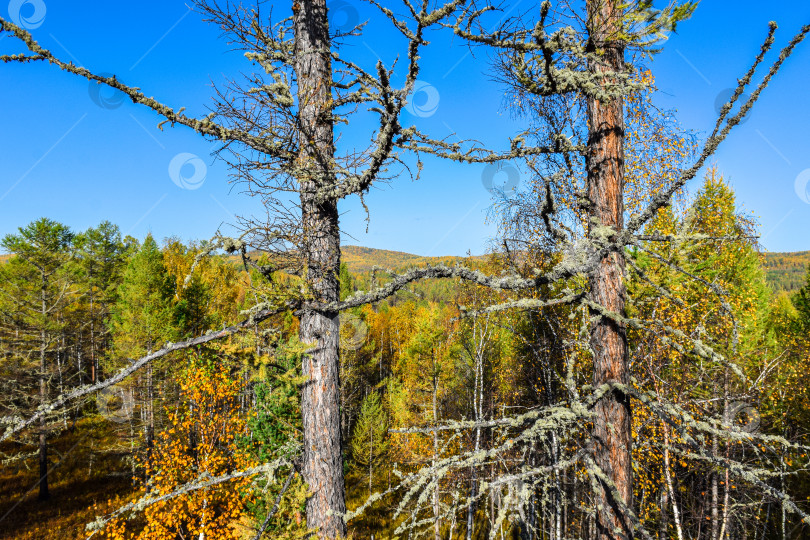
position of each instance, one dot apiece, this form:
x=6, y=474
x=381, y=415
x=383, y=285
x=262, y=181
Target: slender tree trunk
x=676, y=515
x=765, y=523
x=92, y=338
x=557, y=495
x=784, y=510
x=478, y=415
x=605, y=166
x=79, y=364
x=43, y=397
x=453, y=521
x=60, y=351
x=150, y=396
x=473, y=495
x=726, y=496
x=565, y=515
x=662, y=524
x=320, y=397
x=715, y=513
x=436, y=523
x=727, y=486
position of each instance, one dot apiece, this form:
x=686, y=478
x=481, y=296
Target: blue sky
x=65, y=157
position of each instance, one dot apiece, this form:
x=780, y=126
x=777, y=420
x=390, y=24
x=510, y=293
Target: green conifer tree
x=144, y=316
x=369, y=442
x=102, y=257
x=144, y=311
x=36, y=284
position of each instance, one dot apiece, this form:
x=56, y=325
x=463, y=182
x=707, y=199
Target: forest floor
x=84, y=482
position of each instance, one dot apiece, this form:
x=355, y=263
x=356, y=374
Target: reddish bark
x=612, y=434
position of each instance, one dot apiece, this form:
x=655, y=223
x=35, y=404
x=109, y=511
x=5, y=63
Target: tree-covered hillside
x=786, y=271
x=363, y=259
x=783, y=271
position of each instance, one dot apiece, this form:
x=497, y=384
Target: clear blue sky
x=67, y=158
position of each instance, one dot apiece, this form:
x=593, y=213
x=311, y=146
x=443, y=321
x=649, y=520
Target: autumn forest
x=625, y=361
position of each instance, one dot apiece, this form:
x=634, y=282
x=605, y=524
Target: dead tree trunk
x=676, y=513
x=605, y=167
x=436, y=520
x=478, y=415
x=662, y=524
x=150, y=413
x=715, y=513
x=43, y=395
x=320, y=397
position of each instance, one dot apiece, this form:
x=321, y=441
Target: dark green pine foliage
x=192, y=316
x=801, y=301
x=144, y=315
x=37, y=286
x=369, y=442
x=275, y=428
x=346, y=282
x=101, y=259
x=143, y=321
x=277, y=418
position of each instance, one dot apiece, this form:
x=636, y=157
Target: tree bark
x=92, y=337
x=478, y=415
x=150, y=411
x=320, y=397
x=436, y=521
x=727, y=484
x=676, y=514
x=715, y=514
x=662, y=524
x=612, y=435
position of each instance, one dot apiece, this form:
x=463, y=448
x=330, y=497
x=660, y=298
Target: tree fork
x=612, y=436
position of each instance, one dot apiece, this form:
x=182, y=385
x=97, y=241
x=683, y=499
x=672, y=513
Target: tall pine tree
x=36, y=284
x=144, y=315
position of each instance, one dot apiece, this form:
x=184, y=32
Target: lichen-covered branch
x=204, y=481
x=15, y=425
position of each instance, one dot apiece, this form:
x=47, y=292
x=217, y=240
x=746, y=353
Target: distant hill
x=363, y=259
x=783, y=271
x=786, y=271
